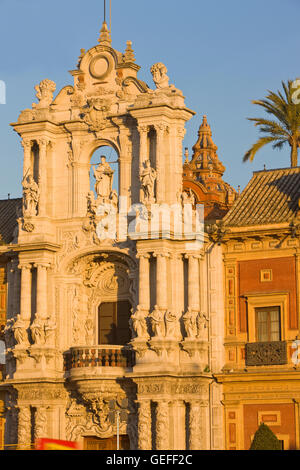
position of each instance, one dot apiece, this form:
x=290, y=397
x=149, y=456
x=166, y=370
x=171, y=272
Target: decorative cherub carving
x=159, y=74
x=44, y=93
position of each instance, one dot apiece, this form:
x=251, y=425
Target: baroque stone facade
x=106, y=329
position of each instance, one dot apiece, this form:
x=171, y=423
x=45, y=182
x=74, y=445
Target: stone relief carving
x=24, y=425
x=144, y=426
x=162, y=425
x=138, y=324
x=97, y=111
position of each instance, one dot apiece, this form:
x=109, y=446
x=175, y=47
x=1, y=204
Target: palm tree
x=285, y=129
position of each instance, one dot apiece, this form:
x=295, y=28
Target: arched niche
x=112, y=159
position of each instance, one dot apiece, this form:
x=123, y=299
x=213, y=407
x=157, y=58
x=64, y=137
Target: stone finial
x=44, y=93
x=105, y=37
x=129, y=53
x=159, y=74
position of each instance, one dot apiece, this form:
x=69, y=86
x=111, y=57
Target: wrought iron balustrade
x=266, y=353
x=99, y=356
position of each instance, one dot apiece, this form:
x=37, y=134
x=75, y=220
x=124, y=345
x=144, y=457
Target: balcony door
x=268, y=324
x=113, y=322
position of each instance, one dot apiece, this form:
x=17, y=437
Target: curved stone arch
x=97, y=251
x=91, y=147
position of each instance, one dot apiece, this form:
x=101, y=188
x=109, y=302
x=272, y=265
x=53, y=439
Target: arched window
x=113, y=322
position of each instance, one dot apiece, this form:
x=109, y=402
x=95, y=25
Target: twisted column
x=162, y=425
x=24, y=428
x=144, y=425
x=195, y=425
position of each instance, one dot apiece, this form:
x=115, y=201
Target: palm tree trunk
x=294, y=154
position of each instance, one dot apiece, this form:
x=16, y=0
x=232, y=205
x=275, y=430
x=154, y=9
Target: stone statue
x=30, y=196
x=50, y=327
x=201, y=321
x=89, y=329
x=148, y=177
x=188, y=197
x=104, y=180
x=138, y=324
x=44, y=93
x=171, y=324
x=37, y=330
x=157, y=322
x=9, y=334
x=159, y=74
x=189, y=321
x=20, y=332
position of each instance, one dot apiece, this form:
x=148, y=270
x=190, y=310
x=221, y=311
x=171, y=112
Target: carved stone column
x=144, y=425
x=26, y=281
x=43, y=143
x=26, y=144
x=195, y=425
x=143, y=131
x=24, y=428
x=160, y=182
x=162, y=438
x=144, y=281
x=41, y=290
x=15, y=287
x=161, y=280
x=40, y=423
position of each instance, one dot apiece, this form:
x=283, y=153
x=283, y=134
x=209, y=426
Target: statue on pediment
x=159, y=74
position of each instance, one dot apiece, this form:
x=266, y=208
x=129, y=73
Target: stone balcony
x=103, y=359
x=266, y=353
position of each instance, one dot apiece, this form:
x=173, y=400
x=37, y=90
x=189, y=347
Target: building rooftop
x=271, y=196
x=8, y=218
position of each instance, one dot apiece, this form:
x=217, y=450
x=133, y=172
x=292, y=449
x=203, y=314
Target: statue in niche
x=104, y=180
x=20, y=332
x=157, y=318
x=189, y=321
x=159, y=74
x=30, y=196
x=148, y=177
x=37, y=330
x=50, y=327
x=138, y=324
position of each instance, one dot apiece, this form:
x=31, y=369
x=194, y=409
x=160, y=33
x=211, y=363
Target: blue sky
x=221, y=54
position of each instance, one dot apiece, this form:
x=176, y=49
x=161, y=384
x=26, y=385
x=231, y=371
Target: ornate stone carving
x=96, y=115
x=194, y=426
x=138, y=324
x=40, y=423
x=24, y=427
x=266, y=353
x=162, y=425
x=144, y=425
x=44, y=94
x=30, y=196
x=157, y=318
x=148, y=177
x=20, y=332
x=104, y=179
x=159, y=74
x=50, y=328
x=37, y=330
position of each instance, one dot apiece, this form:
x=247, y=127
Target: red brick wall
x=287, y=421
x=284, y=279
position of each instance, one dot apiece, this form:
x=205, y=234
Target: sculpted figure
x=157, y=322
x=44, y=93
x=188, y=197
x=9, y=334
x=148, y=177
x=171, y=324
x=20, y=332
x=104, y=179
x=50, y=327
x=201, y=324
x=159, y=74
x=37, y=330
x=89, y=329
x=138, y=324
x=30, y=195
x=189, y=321
x=91, y=203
